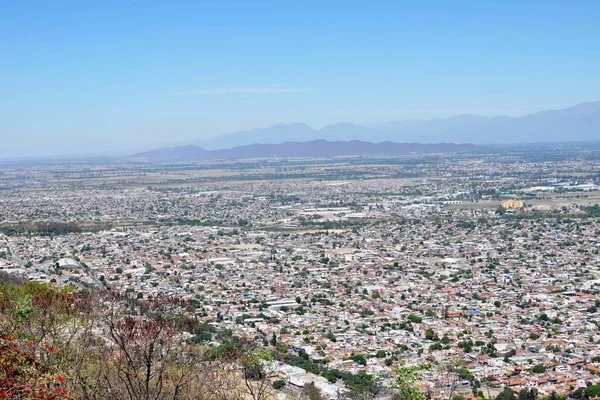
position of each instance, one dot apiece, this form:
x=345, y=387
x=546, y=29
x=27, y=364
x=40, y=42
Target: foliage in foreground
x=58, y=344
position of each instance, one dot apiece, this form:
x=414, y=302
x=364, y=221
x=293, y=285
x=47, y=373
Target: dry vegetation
x=58, y=344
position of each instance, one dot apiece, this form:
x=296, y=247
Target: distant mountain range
x=577, y=123
x=313, y=148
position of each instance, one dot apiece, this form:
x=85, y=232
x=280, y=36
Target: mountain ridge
x=580, y=122
x=313, y=148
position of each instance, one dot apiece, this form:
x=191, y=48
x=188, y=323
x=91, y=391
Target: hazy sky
x=91, y=76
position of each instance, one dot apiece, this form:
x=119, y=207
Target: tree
x=435, y=347
x=525, y=394
x=356, y=394
x=329, y=375
x=257, y=370
x=147, y=354
x=553, y=396
x=592, y=391
x=577, y=393
x=407, y=379
x=413, y=318
x=359, y=358
x=450, y=373
x=430, y=334
x=506, y=394
x=278, y=384
x=539, y=369
x=25, y=376
x=466, y=345
x=312, y=392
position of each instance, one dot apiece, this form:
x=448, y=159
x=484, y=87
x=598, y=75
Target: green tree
x=359, y=358
x=506, y=394
x=577, y=393
x=407, y=379
x=464, y=373
x=592, y=391
x=312, y=392
x=415, y=319
x=527, y=394
x=539, y=369
x=430, y=334
x=435, y=346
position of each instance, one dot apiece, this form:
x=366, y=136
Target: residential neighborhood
x=358, y=276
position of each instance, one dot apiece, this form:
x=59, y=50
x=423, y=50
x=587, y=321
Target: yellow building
x=512, y=204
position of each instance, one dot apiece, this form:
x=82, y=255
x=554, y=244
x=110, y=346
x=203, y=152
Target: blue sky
x=95, y=76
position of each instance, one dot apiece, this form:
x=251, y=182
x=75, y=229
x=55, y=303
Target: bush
x=415, y=319
x=26, y=377
x=435, y=347
x=278, y=384
x=592, y=391
x=539, y=369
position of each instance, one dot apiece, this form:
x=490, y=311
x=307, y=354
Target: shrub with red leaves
x=23, y=376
